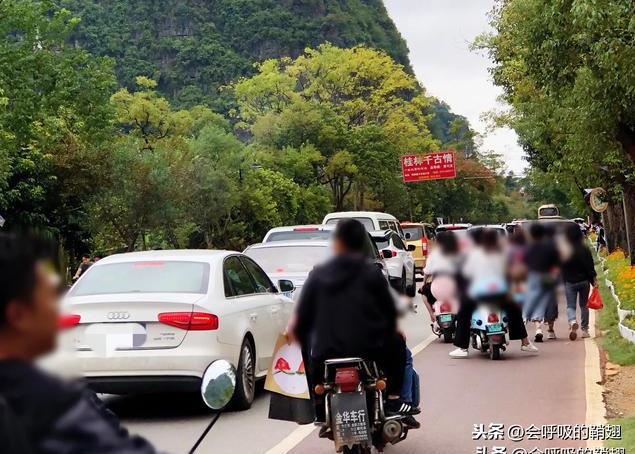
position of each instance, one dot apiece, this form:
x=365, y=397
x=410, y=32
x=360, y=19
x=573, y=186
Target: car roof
x=487, y=226
x=454, y=226
x=359, y=214
x=291, y=228
x=416, y=223
x=196, y=255
x=290, y=243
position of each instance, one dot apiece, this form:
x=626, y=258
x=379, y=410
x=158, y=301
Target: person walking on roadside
x=578, y=273
x=541, y=259
x=601, y=236
x=83, y=266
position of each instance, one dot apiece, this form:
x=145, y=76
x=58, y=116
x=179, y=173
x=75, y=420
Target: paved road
x=174, y=422
x=522, y=389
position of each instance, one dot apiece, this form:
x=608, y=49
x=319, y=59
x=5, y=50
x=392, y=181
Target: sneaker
x=394, y=407
x=585, y=333
x=529, y=348
x=411, y=422
x=538, y=336
x=573, y=334
x=459, y=353
x=551, y=334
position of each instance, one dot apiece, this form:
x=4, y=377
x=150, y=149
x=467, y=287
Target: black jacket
x=345, y=309
x=579, y=267
x=55, y=417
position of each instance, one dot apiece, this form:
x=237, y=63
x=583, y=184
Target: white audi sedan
x=153, y=321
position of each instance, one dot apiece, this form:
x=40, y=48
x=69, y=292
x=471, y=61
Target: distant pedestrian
x=83, y=266
x=517, y=270
x=541, y=259
x=601, y=236
x=578, y=273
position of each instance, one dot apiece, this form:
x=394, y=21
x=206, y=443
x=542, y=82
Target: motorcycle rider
x=39, y=413
x=346, y=310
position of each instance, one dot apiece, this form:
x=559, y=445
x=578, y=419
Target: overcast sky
x=438, y=33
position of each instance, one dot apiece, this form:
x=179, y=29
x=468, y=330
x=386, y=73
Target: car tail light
x=192, y=321
x=305, y=229
x=445, y=307
x=492, y=318
x=347, y=379
x=424, y=246
x=69, y=320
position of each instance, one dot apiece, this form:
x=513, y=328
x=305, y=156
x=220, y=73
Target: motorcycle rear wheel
x=495, y=352
x=447, y=336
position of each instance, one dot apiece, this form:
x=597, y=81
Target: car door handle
x=253, y=316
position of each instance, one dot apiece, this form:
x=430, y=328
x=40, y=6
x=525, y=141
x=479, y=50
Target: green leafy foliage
x=566, y=68
x=54, y=111
x=193, y=48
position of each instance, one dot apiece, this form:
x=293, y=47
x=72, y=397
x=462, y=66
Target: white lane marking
x=300, y=433
x=292, y=440
x=595, y=411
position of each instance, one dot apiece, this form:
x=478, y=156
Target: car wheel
x=245, y=378
x=403, y=284
x=411, y=290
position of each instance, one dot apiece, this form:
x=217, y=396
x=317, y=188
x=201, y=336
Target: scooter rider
x=346, y=310
x=487, y=261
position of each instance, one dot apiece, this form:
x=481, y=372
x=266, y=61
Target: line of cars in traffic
x=154, y=320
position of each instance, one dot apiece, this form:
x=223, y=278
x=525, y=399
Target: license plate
x=445, y=318
x=495, y=327
x=350, y=419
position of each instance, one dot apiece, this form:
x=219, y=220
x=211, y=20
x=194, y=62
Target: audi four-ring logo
x=118, y=315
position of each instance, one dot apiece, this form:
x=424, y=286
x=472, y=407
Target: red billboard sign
x=431, y=166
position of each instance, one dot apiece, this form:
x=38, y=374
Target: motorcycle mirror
x=218, y=384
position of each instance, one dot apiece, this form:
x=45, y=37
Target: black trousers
x=515, y=323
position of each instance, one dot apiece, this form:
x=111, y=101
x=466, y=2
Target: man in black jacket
x=346, y=310
x=40, y=413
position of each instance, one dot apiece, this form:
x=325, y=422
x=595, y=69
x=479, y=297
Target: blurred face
x=35, y=323
x=339, y=247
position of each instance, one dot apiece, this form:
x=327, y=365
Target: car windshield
x=292, y=259
x=291, y=235
x=144, y=277
x=413, y=233
x=368, y=222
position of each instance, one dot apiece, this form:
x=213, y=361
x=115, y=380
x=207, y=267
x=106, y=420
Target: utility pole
x=627, y=224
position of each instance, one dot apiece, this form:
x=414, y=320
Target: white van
x=372, y=220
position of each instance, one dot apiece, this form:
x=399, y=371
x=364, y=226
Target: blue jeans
x=539, y=297
x=410, y=389
x=572, y=291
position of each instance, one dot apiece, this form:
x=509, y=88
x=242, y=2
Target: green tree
x=566, y=68
x=54, y=114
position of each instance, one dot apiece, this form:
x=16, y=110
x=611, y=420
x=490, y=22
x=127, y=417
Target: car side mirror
x=412, y=248
x=286, y=286
x=386, y=253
